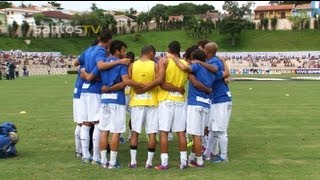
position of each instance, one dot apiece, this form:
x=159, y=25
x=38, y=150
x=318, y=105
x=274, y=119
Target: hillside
x=247, y=41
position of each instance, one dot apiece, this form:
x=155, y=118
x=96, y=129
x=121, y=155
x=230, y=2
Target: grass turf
x=271, y=136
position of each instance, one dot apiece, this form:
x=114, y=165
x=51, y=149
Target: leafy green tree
x=25, y=28
x=5, y=4
x=55, y=4
x=234, y=23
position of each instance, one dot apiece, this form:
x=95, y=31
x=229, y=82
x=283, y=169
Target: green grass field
x=248, y=40
x=271, y=136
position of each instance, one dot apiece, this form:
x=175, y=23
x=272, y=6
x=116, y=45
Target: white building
x=300, y=7
x=58, y=17
x=122, y=19
x=19, y=14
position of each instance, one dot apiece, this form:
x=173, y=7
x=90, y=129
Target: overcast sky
x=126, y=5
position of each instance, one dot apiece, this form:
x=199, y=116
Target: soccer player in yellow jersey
x=172, y=107
x=143, y=103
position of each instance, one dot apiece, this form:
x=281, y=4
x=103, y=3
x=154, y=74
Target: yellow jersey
x=143, y=72
x=176, y=77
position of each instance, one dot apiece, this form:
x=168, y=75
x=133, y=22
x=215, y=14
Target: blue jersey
x=7, y=149
x=195, y=96
x=96, y=55
x=110, y=78
x=79, y=81
x=221, y=92
x=7, y=127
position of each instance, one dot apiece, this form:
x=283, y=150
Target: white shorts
x=127, y=104
x=76, y=111
x=147, y=115
x=113, y=118
x=172, y=116
x=219, y=116
x=90, y=106
x=196, y=119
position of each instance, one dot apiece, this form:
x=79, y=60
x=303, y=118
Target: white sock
x=183, y=157
x=78, y=139
x=150, y=158
x=191, y=157
x=104, y=158
x=215, y=147
x=113, y=157
x=199, y=160
x=95, y=140
x=164, y=159
x=223, y=141
x=85, y=139
x=208, y=150
x=133, y=153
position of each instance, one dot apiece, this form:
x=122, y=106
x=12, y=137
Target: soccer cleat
x=86, y=160
x=116, y=166
x=195, y=164
x=105, y=165
x=218, y=159
x=183, y=166
x=132, y=166
x=160, y=167
x=93, y=162
x=148, y=166
x=206, y=158
x=190, y=144
x=191, y=161
x=78, y=155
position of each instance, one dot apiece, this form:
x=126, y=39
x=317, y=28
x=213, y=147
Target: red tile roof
x=303, y=6
x=275, y=7
x=56, y=14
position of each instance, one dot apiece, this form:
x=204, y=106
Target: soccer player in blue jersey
x=220, y=108
x=76, y=98
x=91, y=94
x=8, y=139
x=90, y=98
x=198, y=105
x=113, y=103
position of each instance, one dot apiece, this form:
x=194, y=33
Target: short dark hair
x=203, y=43
x=174, y=47
x=147, y=49
x=105, y=35
x=116, y=45
x=131, y=56
x=95, y=42
x=198, y=54
x=189, y=51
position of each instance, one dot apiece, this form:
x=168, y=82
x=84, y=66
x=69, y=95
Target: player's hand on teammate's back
x=82, y=73
x=182, y=90
x=139, y=90
x=124, y=61
x=194, y=61
x=104, y=89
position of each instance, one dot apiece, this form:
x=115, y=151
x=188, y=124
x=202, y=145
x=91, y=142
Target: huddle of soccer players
x=157, y=101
